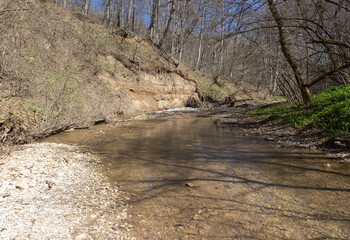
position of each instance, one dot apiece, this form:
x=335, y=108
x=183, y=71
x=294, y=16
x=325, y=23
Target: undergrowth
x=212, y=90
x=329, y=111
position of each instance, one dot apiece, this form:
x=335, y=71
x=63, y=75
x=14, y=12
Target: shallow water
x=190, y=179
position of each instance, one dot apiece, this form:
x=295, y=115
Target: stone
x=326, y=165
x=190, y=185
x=313, y=148
x=339, y=144
x=124, y=215
x=83, y=236
x=22, y=184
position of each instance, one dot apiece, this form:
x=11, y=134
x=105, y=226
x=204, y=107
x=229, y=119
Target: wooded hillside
x=289, y=46
x=62, y=69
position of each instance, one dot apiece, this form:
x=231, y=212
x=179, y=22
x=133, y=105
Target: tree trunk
x=120, y=14
x=305, y=93
x=222, y=29
x=153, y=16
x=166, y=31
x=201, y=37
x=107, y=13
x=86, y=7
x=130, y=16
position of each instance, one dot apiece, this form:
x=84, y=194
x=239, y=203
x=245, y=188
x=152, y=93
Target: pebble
x=313, y=148
x=22, y=184
x=327, y=165
x=43, y=196
x=190, y=185
x=83, y=237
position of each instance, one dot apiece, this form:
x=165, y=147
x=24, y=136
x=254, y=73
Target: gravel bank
x=56, y=191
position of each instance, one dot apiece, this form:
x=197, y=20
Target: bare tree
x=305, y=93
x=86, y=7
x=167, y=28
x=261, y=42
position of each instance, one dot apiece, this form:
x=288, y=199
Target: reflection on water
x=193, y=180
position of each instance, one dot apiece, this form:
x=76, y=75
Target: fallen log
x=52, y=131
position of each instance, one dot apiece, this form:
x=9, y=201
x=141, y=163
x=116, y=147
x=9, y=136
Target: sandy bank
x=56, y=191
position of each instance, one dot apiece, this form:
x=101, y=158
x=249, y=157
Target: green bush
x=329, y=112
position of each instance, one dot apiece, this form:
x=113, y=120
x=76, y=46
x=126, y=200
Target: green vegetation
x=329, y=111
x=212, y=90
x=279, y=98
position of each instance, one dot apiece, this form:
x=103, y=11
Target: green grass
x=279, y=98
x=332, y=117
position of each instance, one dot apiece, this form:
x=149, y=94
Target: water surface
x=190, y=179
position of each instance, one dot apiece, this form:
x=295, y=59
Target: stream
x=190, y=179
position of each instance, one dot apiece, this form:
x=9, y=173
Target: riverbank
x=190, y=179
x=62, y=192
x=57, y=191
x=242, y=123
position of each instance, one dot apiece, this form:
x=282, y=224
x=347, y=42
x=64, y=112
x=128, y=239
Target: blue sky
x=96, y=4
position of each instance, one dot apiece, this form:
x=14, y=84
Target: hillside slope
x=60, y=69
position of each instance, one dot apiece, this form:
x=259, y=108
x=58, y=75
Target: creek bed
x=190, y=179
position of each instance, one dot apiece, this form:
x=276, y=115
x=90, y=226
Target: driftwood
x=228, y=101
x=51, y=131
